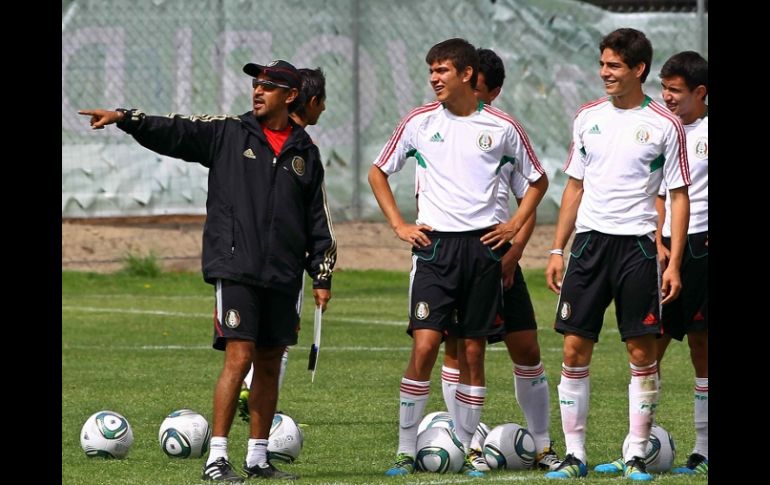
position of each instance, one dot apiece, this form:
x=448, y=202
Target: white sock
x=469, y=401
x=449, y=379
x=574, y=389
x=642, y=400
x=257, y=452
x=413, y=398
x=702, y=416
x=217, y=449
x=284, y=363
x=531, y=388
x=249, y=376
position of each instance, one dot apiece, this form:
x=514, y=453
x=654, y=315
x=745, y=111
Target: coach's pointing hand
x=101, y=117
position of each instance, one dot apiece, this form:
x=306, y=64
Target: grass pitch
x=141, y=346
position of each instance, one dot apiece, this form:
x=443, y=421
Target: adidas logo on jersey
x=436, y=137
x=595, y=130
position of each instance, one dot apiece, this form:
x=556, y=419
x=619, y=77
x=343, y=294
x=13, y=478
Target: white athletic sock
x=413, y=398
x=642, y=400
x=702, y=416
x=449, y=379
x=531, y=388
x=469, y=401
x=284, y=363
x=574, y=389
x=257, y=452
x=217, y=449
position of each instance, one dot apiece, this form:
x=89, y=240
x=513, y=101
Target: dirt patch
x=101, y=244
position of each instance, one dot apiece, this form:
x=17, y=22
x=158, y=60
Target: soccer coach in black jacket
x=267, y=220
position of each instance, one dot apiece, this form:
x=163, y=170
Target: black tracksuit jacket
x=266, y=217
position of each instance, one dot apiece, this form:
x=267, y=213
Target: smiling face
x=447, y=83
x=685, y=103
x=620, y=79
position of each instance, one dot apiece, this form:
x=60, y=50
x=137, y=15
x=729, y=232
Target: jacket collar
x=298, y=137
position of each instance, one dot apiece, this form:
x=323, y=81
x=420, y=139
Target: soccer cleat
x=636, y=469
x=611, y=467
x=570, y=467
x=221, y=470
x=243, y=405
x=548, y=459
x=404, y=465
x=697, y=464
x=267, y=470
x=477, y=458
x=469, y=469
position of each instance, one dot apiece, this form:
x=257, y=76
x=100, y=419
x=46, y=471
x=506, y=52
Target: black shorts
x=603, y=267
x=518, y=313
x=268, y=317
x=690, y=312
x=455, y=285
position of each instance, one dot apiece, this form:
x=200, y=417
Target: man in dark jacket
x=267, y=221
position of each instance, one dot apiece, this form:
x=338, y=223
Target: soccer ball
x=439, y=451
x=510, y=446
x=661, y=451
x=184, y=434
x=438, y=419
x=106, y=434
x=285, y=440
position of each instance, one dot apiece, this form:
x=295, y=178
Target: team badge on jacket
x=566, y=311
x=298, y=164
x=232, y=318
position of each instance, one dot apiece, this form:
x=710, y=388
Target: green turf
x=141, y=347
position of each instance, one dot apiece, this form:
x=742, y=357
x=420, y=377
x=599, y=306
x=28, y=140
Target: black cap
x=279, y=70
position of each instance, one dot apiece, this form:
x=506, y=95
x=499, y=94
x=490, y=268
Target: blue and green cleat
x=404, y=465
x=570, y=467
x=469, y=469
x=697, y=464
x=612, y=467
x=636, y=469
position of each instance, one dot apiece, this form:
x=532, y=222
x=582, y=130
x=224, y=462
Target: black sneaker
x=268, y=471
x=221, y=470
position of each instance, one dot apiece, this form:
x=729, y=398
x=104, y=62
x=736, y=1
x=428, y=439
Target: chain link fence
x=165, y=56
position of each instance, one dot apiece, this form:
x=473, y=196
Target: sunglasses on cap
x=266, y=83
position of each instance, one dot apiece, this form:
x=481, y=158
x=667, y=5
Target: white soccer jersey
x=698, y=156
x=458, y=162
x=513, y=180
x=622, y=155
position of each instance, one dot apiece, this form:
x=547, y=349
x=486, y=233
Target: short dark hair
x=313, y=84
x=693, y=68
x=461, y=52
x=632, y=46
x=492, y=67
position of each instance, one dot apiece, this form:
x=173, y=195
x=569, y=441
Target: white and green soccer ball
x=285, y=440
x=439, y=450
x=661, y=451
x=437, y=419
x=184, y=434
x=510, y=446
x=106, y=434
